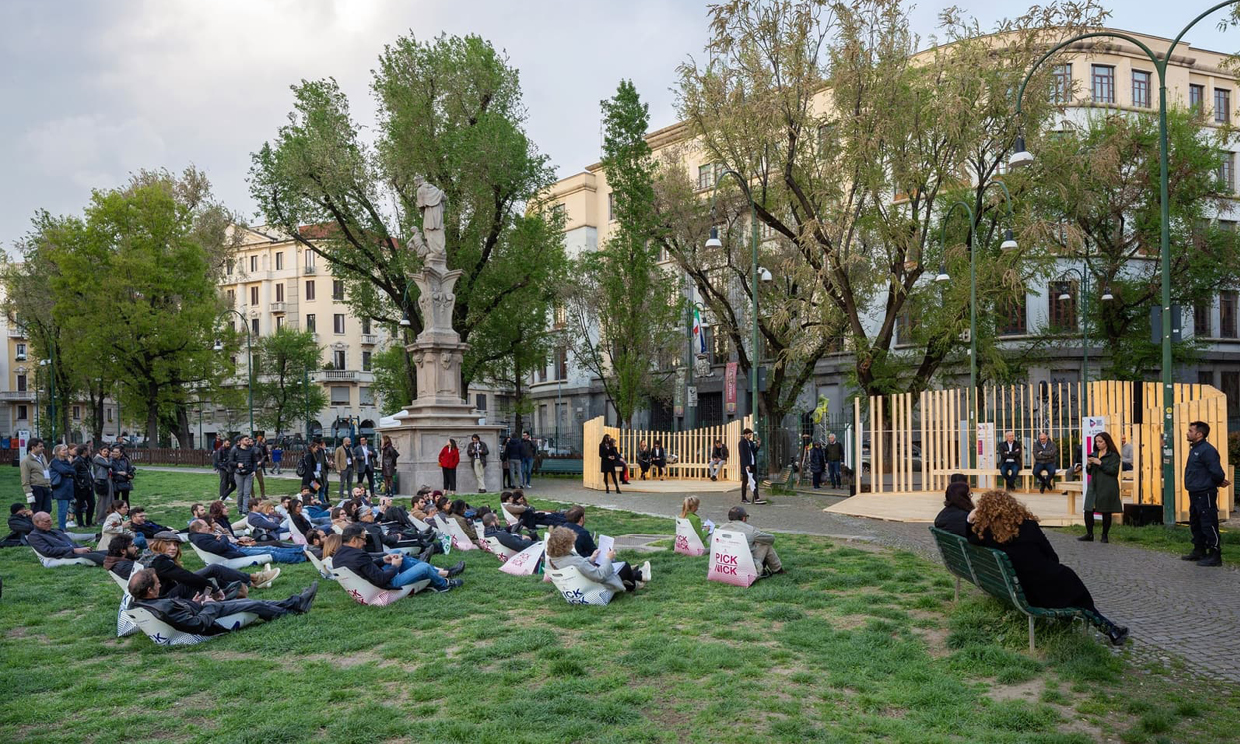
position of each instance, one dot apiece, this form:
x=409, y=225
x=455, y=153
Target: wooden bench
x=991, y=571
x=1023, y=473
x=1127, y=487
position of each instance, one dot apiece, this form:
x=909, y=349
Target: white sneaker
x=70, y=523
x=646, y=571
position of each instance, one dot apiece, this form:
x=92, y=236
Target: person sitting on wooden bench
x=1003, y=523
x=1009, y=459
x=1045, y=456
x=198, y=615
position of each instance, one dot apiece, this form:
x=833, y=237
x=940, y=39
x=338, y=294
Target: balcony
x=277, y=307
x=369, y=339
x=338, y=375
x=17, y=332
x=17, y=395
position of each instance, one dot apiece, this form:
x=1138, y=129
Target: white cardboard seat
x=367, y=593
x=525, y=562
x=211, y=559
x=688, y=542
x=498, y=549
x=320, y=566
x=730, y=559
x=164, y=634
x=460, y=540
x=295, y=534
x=509, y=517
x=577, y=589
x=53, y=562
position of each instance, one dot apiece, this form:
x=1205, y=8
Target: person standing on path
x=220, y=462
x=343, y=462
x=101, y=471
x=260, y=448
x=388, y=456
x=37, y=478
x=749, y=467
x=477, y=452
x=513, y=452
x=834, y=452
x=364, y=464
x=449, y=459
x=529, y=450
x=609, y=460
x=277, y=457
x=244, y=462
x=1102, y=495
x=817, y=462
x=1203, y=477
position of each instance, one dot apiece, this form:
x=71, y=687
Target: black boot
x=1213, y=558
x=1196, y=555
x=1089, y=528
x=1117, y=634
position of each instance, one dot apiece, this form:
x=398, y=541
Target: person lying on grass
x=1003, y=523
x=264, y=525
x=391, y=570
x=491, y=528
x=620, y=577
x=380, y=540
x=200, y=535
x=198, y=614
x=50, y=542
x=761, y=544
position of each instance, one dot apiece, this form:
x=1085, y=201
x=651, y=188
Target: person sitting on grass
x=200, y=535
x=54, y=543
x=218, y=520
x=340, y=519
x=1003, y=523
x=117, y=523
x=392, y=570
x=456, y=513
x=300, y=514
x=198, y=511
x=761, y=544
x=331, y=544
x=20, y=525
x=121, y=556
x=621, y=577
x=688, y=510
x=575, y=520
x=492, y=528
x=264, y=526
x=165, y=558
x=956, y=508
x=378, y=541
x=142, y=525
x=198, y=614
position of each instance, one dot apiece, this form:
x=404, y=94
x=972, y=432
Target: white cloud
x=93, y=151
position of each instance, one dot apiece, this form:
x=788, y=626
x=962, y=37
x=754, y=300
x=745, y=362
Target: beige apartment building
x=1093, y=76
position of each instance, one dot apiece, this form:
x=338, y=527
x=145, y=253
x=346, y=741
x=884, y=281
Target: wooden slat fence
x=691, y=447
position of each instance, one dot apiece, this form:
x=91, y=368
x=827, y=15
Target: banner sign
x=729, y=387
x=1091, y=426
x=678, y=397
x=986, y=446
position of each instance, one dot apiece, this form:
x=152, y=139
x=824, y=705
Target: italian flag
x=697, y=331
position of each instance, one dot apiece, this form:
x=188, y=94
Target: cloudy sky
x=96, y=90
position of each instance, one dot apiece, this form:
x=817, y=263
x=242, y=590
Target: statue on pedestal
x=431, y=201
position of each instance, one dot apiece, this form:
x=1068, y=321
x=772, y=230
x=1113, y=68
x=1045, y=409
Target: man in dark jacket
x=199, y=617
x=477, y=452
x=834, y=453
x=1045, y=458
x=1203, y=477
x=219, y=461
x=364, y=464
x=261, y=451
x=244, y=462
x=138, y=522
x=393, y=570
x=313, y=469
x=513, y=452
x=718, y=458
x=575, y=520
x=53, y=543
x=20, y=525
x=529, y=450
x=201, y=537
x=817, y=462
x=749, y=467
x=1010, y=456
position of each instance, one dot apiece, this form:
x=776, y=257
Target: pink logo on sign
x=730, y=560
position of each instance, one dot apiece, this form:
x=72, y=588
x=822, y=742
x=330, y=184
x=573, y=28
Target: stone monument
x=440, y=412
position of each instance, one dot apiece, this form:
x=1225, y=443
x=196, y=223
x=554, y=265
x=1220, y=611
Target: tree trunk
x=152, y=413
x=185, y=437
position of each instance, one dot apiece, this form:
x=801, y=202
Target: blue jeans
x=1043, y=472
x=833, y=472
x=277, y=553
x=64, y=508
x=1009, y=470
x=527, y=470
x=514, y=472
x=412, y=570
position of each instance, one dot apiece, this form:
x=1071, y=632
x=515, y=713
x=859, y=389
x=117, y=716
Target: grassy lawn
x=1177, y=540
x=850, y=645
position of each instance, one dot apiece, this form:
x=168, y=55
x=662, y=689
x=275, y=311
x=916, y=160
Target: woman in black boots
x=1102, y=495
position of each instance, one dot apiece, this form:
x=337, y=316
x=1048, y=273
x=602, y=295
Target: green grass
x=850, y=645
x=1177, y=540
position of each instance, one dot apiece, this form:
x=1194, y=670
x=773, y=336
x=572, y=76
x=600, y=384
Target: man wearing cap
x=761, y=544
x=50, y=542
x=198, y=615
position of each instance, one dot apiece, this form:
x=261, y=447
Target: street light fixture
x=1022, y=157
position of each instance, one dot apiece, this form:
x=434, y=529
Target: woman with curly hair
x=1003, y=523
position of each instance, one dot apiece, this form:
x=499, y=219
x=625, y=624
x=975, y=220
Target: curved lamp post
x=1022, y=157
x=249, y=360
x=1009, y=244
x=1065, y=296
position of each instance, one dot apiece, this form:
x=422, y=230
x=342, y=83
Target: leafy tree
x=281, y=395
x=1101, y=182
x=624, y=306
x=449, y=110
x=394, y=375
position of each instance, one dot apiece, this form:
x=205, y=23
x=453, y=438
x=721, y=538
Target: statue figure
x=431, y=201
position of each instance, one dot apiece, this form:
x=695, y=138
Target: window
x=1227, y=171
x=611, y=206
x=366, y=326
x=254, y=262
x=365, y=396
x=340, y=395
x=905, y=324
x=338, y=359
x=1222, y=105
x=480, y=401
x=1062, y=83
x=228, y=266
x=561, y=317
x=310, y=322
x=309, y=289
x=253, y=296
x=708, y=174
x=1201, y=319
x=1140, y=89
x=1227, y=315
x=1012, y=317
x=1062, y=312
x=254, y=326
x=279, y=322
x=22, y=415
x=1231, y=388
x=365, y=361
x=561, y=364
x=232, y=297
x=337, y=289
x=338, y=323
x=77, y=413
x=542, y=373
x=21, y=383
x=109, y=414
x=280, y=292
x=309, y=261
x=1104, y=83
x=1196, y=97
x=21, y=352
x=279, y=260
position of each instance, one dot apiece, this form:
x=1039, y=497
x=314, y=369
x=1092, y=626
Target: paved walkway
x=1169, y=605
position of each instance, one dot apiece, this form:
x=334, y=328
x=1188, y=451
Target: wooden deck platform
x=1050, y=508
x=676, y=485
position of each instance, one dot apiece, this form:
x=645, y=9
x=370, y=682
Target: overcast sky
x=96, y=90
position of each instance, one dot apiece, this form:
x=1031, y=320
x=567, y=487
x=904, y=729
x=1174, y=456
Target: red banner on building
x=729, y=387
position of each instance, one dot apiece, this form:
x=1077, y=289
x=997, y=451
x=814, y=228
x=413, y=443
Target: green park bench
x=569, y=466
x=991, y=571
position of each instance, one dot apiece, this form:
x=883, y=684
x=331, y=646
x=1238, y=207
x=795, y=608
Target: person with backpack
x=83, y=493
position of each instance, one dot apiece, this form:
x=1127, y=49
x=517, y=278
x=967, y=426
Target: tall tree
x=449, y=110
x=852, y=149
x=394, y=375
x=283, y=362
x=623, y=304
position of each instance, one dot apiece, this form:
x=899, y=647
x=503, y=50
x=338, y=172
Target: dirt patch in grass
x=1030, y=691
x=935, y=640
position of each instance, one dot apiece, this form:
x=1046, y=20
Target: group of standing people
x=82, y=483
x=518, y=454
x=827, y=459
x=349, y=462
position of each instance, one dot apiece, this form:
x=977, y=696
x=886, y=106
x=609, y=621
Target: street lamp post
x=1021, y=157
x=755, y=279
x=1009, y=243
x=1064, y=297
x=249, y=360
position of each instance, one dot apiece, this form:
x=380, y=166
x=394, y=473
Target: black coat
x=953, y=519
x=749, y=453
x=1047, y=582
x=658, y=456
x=817, y=459
x=212, y=544
x=372, y=569
x=19, y=527
x=834, y=451
x=609, y=458
x=584, y=545
x=1011, y=451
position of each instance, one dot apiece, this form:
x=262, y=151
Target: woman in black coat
x=1003, y=523
x=956, y=507
x=658, y=458
x=609, y=459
